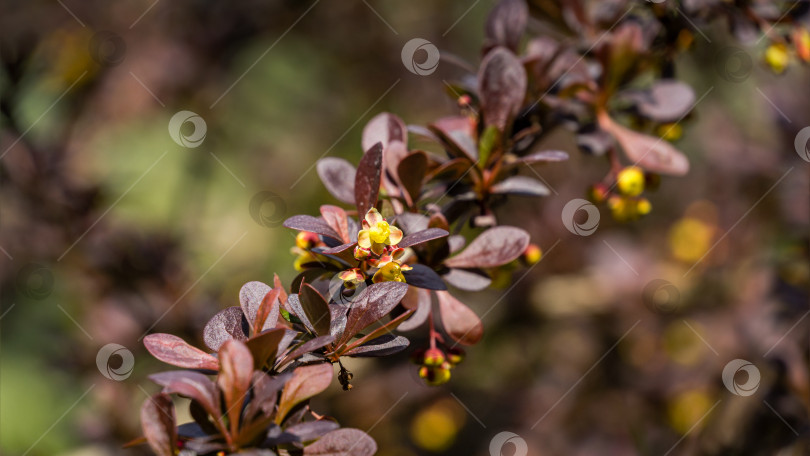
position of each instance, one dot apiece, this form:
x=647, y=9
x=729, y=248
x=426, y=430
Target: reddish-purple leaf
x=385, y=345
x=158, y=424
x=337, y=176
x=492, y=248
x=652, y=154
x=422, y=236
x=306, y=382
x=460, y=323
x=250, y=299
x=312, y=430
x=372, y=304
x=228, y=324
x=337, y=249
x=502, y=86
x=451, y=170
x=381, y=330
x=544, y=156
x=411, y=171
x=343, y=442
x=234, y=378
x=175, y=351
x=295, y=307
x=367, y=180
x=311, y=224
x=521, y=185
x=307, y=347
x=265, y=392
x=505, y=24
x=422, y=276
x=416, y=299
x=384, y=128
x=456, y=134
x=267, y=314
x=467, y=280
x=316, y=309
x=666, y=101
x=264, y=347
x=336, y=218
x=192, y=385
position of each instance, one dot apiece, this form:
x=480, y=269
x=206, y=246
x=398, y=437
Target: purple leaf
x=418, y=299
x=372, y=304
x=307, y=381
x=267, y=314
x=264, y=347
x=265, y=393
x=312, y=224
x=295, y=307
x=234, y=378
x=422, y=236
x=177, y=352
x=307, y=347
x=411, y=171
x=312, y=430
x=544, y=156
x=316, y=309
x=494, y=247
x=337, y=176
x=250, y=298
x=336, y=218
x=384, y=345
x=422, y=276
x=158, y=423
x=467, y=280
x=502, y=86
x=384, y=128
x=666, y=101
x=456, y=134
x=652, y=154
x=521, y=185
x=367, y=181
x=460, y=323
x=338, y=249
x=228, y=324
x=505, y=24
x=190, y=384
x=343, y=442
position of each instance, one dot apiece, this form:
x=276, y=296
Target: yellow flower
x=391, y=272
x=351, y=278
x=305, y=257
x=306, y=240
x=630, y=181
x=777, y=57
x=377, y=234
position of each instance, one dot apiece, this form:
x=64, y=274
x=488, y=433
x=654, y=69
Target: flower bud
x=531, y=255
x=433, y=357
x=777, y=57
x=455, y=355
x=598, y=193
x=306, y=240
x=630, y=181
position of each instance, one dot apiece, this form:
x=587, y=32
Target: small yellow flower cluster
x=304, y=242
x=436, y=365
x=377, y=247
x=628, y=204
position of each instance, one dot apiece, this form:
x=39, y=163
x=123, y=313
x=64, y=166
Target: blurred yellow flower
x=436, y=427
x=690, y=238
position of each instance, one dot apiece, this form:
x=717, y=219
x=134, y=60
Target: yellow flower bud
x=777, y=57
x=630, y=181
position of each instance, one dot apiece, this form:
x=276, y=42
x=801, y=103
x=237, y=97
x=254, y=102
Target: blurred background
x=614, y=343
